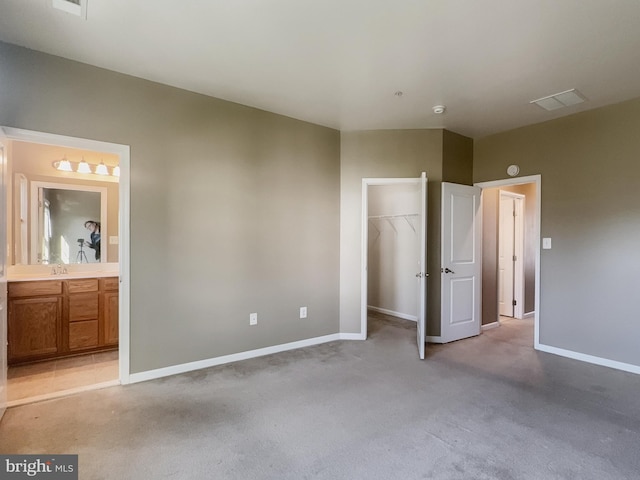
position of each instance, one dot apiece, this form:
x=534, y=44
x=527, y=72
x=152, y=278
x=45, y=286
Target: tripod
x=81, y=256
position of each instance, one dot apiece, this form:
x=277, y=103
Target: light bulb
x=102, y=169
x=83, y=167
x=64, y=165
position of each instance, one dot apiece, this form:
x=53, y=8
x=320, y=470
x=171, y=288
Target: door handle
x=448, y=270
x=420, y=275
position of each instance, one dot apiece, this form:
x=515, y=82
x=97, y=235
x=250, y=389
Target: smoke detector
x=439, y=109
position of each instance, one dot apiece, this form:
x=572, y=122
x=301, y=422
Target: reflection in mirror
x=67, y=222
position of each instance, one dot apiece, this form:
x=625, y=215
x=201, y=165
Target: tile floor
x=43, y=378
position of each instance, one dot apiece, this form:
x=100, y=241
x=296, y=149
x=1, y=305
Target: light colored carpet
x=489, y=407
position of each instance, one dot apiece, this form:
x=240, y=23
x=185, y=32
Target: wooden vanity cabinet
x=58, y=318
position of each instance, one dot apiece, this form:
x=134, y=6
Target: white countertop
x=29, y=277
x=28, y=273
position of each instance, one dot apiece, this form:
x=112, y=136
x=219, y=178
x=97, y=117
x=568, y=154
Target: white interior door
x=506, y=255
x=461, y=261
x=422, y=273
x=3, y=278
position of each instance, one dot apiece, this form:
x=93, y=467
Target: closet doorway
x=394, y=250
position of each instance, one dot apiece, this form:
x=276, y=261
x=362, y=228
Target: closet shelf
x=406, y=216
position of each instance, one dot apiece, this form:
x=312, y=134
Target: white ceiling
x=338, y=62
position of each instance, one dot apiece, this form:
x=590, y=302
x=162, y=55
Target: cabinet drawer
x=31, y=289
x=110, y=283
x=82, y=285
x=83, y=306
x=83, y=334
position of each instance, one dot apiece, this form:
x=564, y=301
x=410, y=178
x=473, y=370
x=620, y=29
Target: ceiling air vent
x=74, y=7
x=560, y=100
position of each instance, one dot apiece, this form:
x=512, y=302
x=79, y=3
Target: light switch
x=113, y=240
x=546, y=243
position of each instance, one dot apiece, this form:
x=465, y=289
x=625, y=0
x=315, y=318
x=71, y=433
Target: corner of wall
x=457, y=158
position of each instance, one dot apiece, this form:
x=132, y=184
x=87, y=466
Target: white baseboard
x=212, y=362
x=605, y=362
x=529, y=315
x=352, y=336
x=404, y=316
x=489, y=326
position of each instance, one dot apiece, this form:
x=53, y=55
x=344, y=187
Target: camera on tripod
x=81, y=257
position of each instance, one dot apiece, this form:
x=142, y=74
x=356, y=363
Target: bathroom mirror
x=66, y=224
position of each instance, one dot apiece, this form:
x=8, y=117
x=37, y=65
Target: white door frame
x=518, y=250
x=537, y=180
x=364, y=248
x=3, y=280
x=123, y=151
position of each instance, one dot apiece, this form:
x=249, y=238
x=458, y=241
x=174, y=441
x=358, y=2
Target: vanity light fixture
x=102, y=169
x=83, y=167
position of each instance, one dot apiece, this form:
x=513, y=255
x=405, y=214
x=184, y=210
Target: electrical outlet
x=253, y=319
x=303, y=312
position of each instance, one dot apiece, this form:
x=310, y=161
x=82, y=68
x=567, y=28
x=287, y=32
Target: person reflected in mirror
x=94, y=228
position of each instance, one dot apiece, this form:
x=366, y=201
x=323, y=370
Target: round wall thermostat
x=513, y=170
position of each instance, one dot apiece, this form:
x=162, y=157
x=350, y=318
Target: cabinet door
x=111, y=318
x=34, y=327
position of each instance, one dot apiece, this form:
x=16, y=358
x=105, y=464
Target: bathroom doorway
x=68, y=322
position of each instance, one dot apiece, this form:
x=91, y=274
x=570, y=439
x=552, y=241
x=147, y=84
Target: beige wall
x=490, y=224
x=457, y=158
x=590, y=174
x=35, y=162
x=233, y=210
